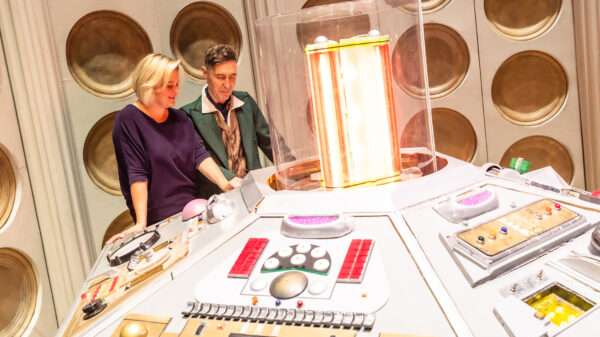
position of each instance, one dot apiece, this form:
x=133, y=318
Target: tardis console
x=462, y=252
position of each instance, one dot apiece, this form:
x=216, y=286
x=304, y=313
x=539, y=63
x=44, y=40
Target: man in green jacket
x=229, y=122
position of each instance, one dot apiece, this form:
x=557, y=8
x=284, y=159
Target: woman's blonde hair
x=151, y=73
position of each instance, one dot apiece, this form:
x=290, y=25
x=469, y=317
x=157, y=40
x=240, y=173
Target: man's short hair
x=218, y=54
x=152, y=73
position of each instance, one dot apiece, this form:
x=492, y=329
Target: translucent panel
x=447, y=60
x=454, y=135
x=336, y=114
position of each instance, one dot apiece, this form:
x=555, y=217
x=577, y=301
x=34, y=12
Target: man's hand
x=132, y=229
x=235, y=182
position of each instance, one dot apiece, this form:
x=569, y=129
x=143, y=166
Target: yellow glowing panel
x=354, y=111
x=560, y=305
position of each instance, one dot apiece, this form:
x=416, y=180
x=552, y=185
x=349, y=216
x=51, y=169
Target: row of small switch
x=277, y=315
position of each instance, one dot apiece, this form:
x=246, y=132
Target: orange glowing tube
x=354, y=110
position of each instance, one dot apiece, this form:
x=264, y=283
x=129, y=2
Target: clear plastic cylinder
x=341, y=83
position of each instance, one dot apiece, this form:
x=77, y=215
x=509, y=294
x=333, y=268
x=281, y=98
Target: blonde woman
x=158, y=150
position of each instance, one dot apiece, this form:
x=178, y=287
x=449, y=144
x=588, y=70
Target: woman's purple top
x=166, y=155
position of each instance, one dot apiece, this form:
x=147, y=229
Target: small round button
x=285, y=252
x=258, y=284
x=299, y=304
x=277, y=303
x=317, y=287
x=504, y=230
x=318, y=252
x=298, y=259
x=492, y=235
x=538, y=216
x=271, y=263
x=321, y=265
x=557, y=206
x=481, y=240
x=254, y=300
x=303, y=248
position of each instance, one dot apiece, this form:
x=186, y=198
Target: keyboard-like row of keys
x=315, y=318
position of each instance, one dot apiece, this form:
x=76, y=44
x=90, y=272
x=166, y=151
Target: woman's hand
x=135, y=228
x=209, y=168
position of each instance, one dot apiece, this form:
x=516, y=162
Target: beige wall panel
x=466, y=99
x=85, y=109
x=21, y=231
x=565, y=126
x=587, y=28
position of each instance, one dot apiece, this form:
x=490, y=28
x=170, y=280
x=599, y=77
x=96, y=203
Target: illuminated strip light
x=354, y=111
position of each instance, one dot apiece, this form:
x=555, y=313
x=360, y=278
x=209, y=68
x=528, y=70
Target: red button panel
x=247, y=259
x=355, y=262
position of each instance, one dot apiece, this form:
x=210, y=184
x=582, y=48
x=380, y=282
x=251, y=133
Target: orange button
x=254, y=300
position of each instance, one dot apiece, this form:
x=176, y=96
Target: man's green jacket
x=254, y=133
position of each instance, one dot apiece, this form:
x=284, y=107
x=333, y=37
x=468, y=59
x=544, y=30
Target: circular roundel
x=447, y=61
x=529, y=88
x=99, y=155
x=430, y=6
x=522, y=19
x=19, y=292
x=541, y=151
x=119, y=224
x=103, y=48
x=453, y=133
x=8, y=187
x=427, y=6
x=333, y=23
x=197, y=27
